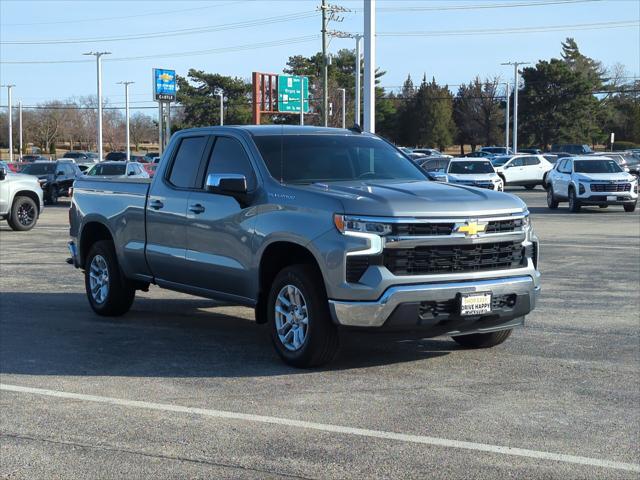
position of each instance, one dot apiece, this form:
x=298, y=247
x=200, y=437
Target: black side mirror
x=131, y=173
x=59, y=173
x=226, y=183
x=3, y=173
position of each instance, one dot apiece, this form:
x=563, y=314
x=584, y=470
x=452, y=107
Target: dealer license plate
x=477, y=303
x=611, y=198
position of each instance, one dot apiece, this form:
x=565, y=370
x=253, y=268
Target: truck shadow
x=58, y=334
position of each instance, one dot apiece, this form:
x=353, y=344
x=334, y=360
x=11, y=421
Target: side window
x=429, y=165
x=187, y=161
x=517, y=162
x=68, y=170
x=569, y=166
x=531, y=161
x=228, y=156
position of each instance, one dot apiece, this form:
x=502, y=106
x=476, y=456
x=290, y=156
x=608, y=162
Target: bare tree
x=142, y=129
x=44, y=124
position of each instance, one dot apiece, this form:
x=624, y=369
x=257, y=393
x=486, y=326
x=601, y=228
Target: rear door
x=533, y=170
x=167, y=211
x=220, y=227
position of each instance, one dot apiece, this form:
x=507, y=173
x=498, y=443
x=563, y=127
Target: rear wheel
x=24, y=214
x=109, y=293
x=552, y=202
x=298, y=315
x=603, y=206
x=529, y=187
x=629, y=208
x=574, y=203
x=483, y=340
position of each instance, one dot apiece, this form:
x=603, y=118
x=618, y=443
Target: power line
x=126, y=17
x=512, y=4
x=236, y=48
x=170, y=33
x=514, y=30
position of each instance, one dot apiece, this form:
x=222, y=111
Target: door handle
x=156, y=204
x=197, y=208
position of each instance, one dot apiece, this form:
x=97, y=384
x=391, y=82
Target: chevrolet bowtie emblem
x=471, y=228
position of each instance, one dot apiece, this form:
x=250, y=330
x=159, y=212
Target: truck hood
x=417, y=199
x=606, y=177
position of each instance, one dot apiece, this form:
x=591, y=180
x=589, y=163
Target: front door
x=167, y=212
x=220, y=227
x=514, y=173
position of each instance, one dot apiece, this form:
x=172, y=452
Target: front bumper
x=614, y=198
x=433, y=307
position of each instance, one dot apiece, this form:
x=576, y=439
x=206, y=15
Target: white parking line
x=362, y=432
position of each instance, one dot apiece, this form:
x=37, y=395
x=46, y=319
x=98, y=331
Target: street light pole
x=357, y=99
x=302, y=100
x=370, y=66
x=344, y=107
x=20, y=128
x=221, y=95
x=10, y=108
x=98, y=56
x=126, y=113
x=506, y=120
x=516, y=80
x=325, y=67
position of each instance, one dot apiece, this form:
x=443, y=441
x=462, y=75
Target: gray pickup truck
x=317, y=229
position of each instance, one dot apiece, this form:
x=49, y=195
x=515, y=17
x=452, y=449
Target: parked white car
x=473, y=172
x=21, y=199
x=117, y=169
x=591, y=180
x=524, y=170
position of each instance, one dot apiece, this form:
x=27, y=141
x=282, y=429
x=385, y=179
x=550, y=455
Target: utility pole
x=10, y=114
x=506, y=119
x=370, y=66
x=325, y=66
x=126, y=112
x=357, y=120
x=20, y=128
x=302, y=100
x=221, y=95
x=98, y=56
x=344, y=107
x=516, y=81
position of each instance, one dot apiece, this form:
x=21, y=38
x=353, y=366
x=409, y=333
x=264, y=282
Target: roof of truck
x=260, y=130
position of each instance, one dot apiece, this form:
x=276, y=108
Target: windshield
x=499, y=161
x=334, y=158
x=39, y=168
x=596, y=166
x=107, y=170
x=470, y=167
x=73, y=155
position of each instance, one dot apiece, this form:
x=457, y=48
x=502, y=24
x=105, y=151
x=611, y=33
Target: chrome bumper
x=395, y=299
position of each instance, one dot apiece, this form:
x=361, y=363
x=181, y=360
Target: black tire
x=629, y=208
x=574, y=203
x=504, y=181
x=603, y=206
x=52, y=195
x=120, y=293
x=552, y=202
x=483, y=340
x=529, y=187
x=24, y=214
x=320, y=343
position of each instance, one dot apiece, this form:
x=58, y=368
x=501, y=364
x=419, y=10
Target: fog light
x=581, y=189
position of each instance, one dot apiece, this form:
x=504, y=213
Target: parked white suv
x=591, y=180
x=525, y=170
x=21, y=199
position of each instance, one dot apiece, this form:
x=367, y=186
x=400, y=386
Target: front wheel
x=298, y=315
x=109, y=293
x=24, y=214
x=52, y=196
x=552, y=203
x=629, y=208
x=574, y=203
x=483, y=340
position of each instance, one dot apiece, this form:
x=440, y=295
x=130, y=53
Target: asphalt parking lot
x=180, y=388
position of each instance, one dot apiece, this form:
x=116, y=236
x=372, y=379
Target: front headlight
x=346, y=224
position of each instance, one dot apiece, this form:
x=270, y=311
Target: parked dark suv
x=572, y=148
x=116, y=157
x=56, y=178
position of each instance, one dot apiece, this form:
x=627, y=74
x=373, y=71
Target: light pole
x=357, y=37
x=516, y=80
x=20, y=128
x=9, y=87
x=370, y=66
x=98, y=56
x=325, y=66
x=506, y=119
x=302, y=100
x=344, y=107
x=126, y=113
x=221, y=95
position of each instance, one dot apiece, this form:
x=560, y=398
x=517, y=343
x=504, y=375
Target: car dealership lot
x=105, y=397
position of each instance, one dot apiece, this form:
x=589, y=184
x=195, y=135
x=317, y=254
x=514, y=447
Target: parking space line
x=362, y=432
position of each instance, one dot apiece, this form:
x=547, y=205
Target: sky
x=458, y=39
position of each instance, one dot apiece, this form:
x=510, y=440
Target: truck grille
x=454, y=258
x=502, y=226
x=433, y=309
x=415, y=229
x=610, y=187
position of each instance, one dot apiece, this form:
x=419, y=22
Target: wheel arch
x=92, y=232
x=26, y=193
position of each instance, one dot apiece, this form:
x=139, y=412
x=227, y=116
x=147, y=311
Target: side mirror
x=226, y=183
x=59, y=173
x=3, y=173
x=131, y=173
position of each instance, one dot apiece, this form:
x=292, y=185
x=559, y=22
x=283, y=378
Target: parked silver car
x=21, y=199
x=591, y=180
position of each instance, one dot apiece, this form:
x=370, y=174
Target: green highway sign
x=289, y=93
